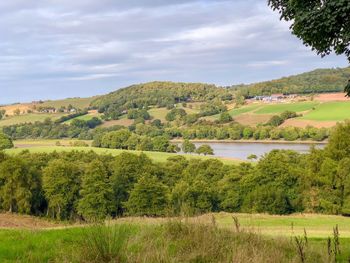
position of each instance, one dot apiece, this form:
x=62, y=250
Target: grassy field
x=49, y=146
x=279, y=108
x=86, y=117
x=32, y=117
x=329, y=111
x=80, y=103
x=160, y=113
x=167, y=240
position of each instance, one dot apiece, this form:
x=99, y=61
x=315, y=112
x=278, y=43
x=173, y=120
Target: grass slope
x=80, y=103
x=279, y=108
x=27, y=118
x=330, y=111
x=156, y=156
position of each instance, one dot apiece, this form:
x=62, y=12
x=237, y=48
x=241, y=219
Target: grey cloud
x=65, y=48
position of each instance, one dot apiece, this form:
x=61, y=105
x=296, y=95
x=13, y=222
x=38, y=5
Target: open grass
x=158, y=113
x=29, y=118
x=155, y=156
x=329, y=111
x=171, y=241
x=80, y=103
x=279, y=108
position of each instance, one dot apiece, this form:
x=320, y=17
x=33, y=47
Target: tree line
x=78, y=185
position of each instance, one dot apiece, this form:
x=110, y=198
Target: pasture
x=281, y=107
x=29, y=118
x=80, y=103
x=49, y=146
x=329, y=111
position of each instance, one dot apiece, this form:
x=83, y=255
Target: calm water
x=243, y=150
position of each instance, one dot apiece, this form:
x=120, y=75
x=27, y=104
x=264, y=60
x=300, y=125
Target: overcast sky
x=65, y=48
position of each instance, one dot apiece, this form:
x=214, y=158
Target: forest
x=317, y=81
x=87, y=186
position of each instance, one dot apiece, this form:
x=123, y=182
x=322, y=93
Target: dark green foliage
x=5, y=142
x=188, y=147
x=158, y=94
x=225, y=117
x=96, y=195
x=323, y=25
x=171, y=115
x=136, y=114
x=71, y=184
x=148, y=197
x=205, y=150
x=317, y=81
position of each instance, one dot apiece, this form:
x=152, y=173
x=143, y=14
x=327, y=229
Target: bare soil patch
x=122, y=122
x=252, y=119
x=8, y=220
x=340, y=96
x=304, y=123
x=22, y=107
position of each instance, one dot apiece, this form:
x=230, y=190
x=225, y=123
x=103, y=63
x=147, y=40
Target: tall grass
x=178, y=241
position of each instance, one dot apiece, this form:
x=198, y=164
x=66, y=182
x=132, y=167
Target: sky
x=51, y=49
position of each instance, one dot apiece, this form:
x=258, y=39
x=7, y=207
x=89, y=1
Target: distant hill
x=317, y=81
x=158, y=94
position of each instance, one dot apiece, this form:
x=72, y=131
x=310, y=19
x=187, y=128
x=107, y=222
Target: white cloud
x=65, y=48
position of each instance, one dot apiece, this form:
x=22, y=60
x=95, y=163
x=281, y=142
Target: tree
x=323, y=25
x=2, y=114
x=225, y=117
x=5, y=142
x=61, y=183
x=96, y=193
x=205, y=149
x=17, y=185
x=188, y=147
x=148, y=197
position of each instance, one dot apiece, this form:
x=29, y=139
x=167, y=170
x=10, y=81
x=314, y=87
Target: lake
x=242, y=150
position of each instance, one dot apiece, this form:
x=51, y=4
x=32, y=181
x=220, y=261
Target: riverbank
x=252, y=141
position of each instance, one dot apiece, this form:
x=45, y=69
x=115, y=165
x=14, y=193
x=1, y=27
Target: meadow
x=29, y=118
x=49, y=146
x=279, y=108
x=329, y=111
x=207, y=238
x=80, y=103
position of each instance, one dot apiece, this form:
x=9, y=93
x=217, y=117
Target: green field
x=159, y=240
x=155, y=156
x=279, y=108
x=85, y=117
x=329, y=111
x=158, y=113
x=27, y=118
x=80, y=103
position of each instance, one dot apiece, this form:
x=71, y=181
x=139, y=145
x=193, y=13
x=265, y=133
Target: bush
x=5, y=142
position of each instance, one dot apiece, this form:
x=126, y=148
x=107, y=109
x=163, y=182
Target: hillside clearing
x=29, y=118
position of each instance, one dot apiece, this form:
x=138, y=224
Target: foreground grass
x=172, y=241
x=156, y=156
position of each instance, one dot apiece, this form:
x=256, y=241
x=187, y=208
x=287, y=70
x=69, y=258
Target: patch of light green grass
x=156, y=156
x=317, y=226
x=279, y=108
x=80, y=103
x=29, y=118
x=329, y=111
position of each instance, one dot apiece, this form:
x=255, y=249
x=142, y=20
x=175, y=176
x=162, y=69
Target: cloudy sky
x=64, y=48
